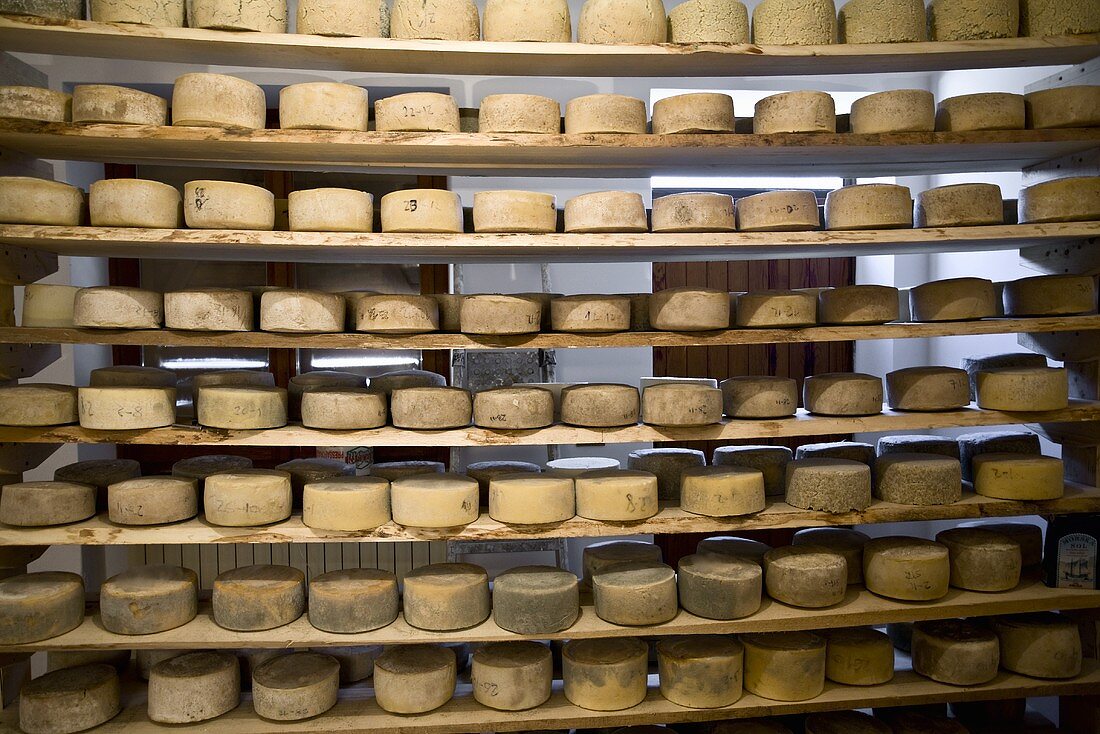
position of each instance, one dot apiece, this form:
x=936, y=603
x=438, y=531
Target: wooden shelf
x=606, y=155
x=394, y=56
x=249, y=245
x=671, y=519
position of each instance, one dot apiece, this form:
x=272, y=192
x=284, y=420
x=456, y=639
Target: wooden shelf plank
x=454, y=248
x=395, y=56
x=608, y=155
x=802, y=424
x=546, y=340
x=671, y=519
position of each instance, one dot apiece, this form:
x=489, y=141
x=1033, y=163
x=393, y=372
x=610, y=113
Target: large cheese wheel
x=104, y=103
x=147, y=599
x=395, y=314
x=697, y=112
x=794, y=23
x=858, y=656
x=446, y=596
x=264, y=16
x=721, y=491
x=955, y=651
x=228, y=205
x=778, y=211
x=323, y=106
x=1050, y=295
x=858, y=304
x=1040, y=645
x=346, y=503
x=678, y=404
x=26, y=200
x=953, y=299
x=48, y=305
x=35, y=103
x=927, y=388
x=353, y=600
x=805, y=576
x=667, y=464
x=605, y=674
x=527, y=20
x=531, y=499
x=959, y=205
x=842, y=393
x=864, y=453
x=984, y=111
x=700, y=671
x=622, y=21
x=689, y=309
x=247, y=497
x=512, y=676
x=421, y=210
x=828, y=485
x=301, y=311
x=344, y=18
x=590, y=314
x=260, y=597
x=1023, y=388
x=533, y=600
x=605, y=113
x=515, y=211
x=1075, y=199
x=794, y=112
x=39, y=404
x=69, y=700
x=771, y=461
x=709, y=21
x=500, y=314
x=694, y=212
x=297, y=686
x=38, y=606
x=414, y=679
x=600, y=405
x=344, y=409
x=605, y=211
x=967, y=20
x=430, y=408
x=759, y=397
x=439, y=20
x=899, y=110
x=911, y=569
x=434, y=500
x=330, y=210
x=201, y=99
x=982, y=560
x=918, y=479
x=242, y=408
x=111, y=307
x=846, y=542
x=784, y=666
x=417, y=112
x=209, y=309
x=599, y=557
x=869, y=206
x=152, y=500
x=719, y=587
x=519, y=113
x=776, y=308
x=195, y=686
x=616, y=495
x=879, y=21
x=1075, y=106
x=635, y=593
x=126, y=408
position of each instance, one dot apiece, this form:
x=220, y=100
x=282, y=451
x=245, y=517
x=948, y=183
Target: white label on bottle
x=1076, y=561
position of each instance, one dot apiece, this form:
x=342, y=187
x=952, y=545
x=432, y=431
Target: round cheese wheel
x=858, y=656
x=110, y=307
x=53, y=9
x=147, y=599
x=515, y=211
x=438, y=20
x=396, y=314
x=793, y=112
x=918, y=479
x=721, y=491
x=1028, y=536
x=714, y=586
x=422, y=210
x=771, y=461
x=450, y=310
x=330, y=210
x=616, y=495
x=44, y=503
x=590, y=314
x=955, y=651
x=605, y=211
x=965, y=20
x=599, y=557
x=414, y=679
x=35, y=103
x=784, y=666
x=394, y=470
x=574, y=465
x=1075, y=199
x=344, y=18
x=38, y=404
x=605, y=674
x=301, y=311
x=434, y=500
x=531, y=499
x=527, y=20
x=332, y=379
x=677, y=404
x=635, y=593
x=694, y=212
x=260, y=597
x=1040, y=645
x=689, y=309
x=927, y=388
x=1050, y=295
x=960, y=205
x=605, y=113
x=533, y=600
x=864, y=453
x=195, y=686
x=446, y=596
x=600, y=405
x=26, y=200
x=778, y=211
x=265, y=16
x=126, y=408
x=776, y=308
x=38, y=606
x=346, y=503
x=69, y=700
x=697, y=112
x=430, y=408
x=759, y=397
x=353, y=600
x=668, y=464
x=208, y=309
x=1074, y=106
x=519, y=113
x=247, y=497
x=984, y=111
x=154, y=500
x=899, y=110
x=911, y=569
x=939, y=445
x=953, y=299
x=982, y=560
x=228, y=205
x=513, y=408
x=48, y=305
x=858, y=304
x=622, y=21
x=323, y=106
x=846, y=542
x=869, y=206
x=875, y=21
x=343, y=409
x=105, y=103
x=242, y=408
x=828, y=485
x=500, y=314
x=842, y=393
x=709, y=21
x=1023, y=388
x=805, y=576
x=700, y=671
x=217, y=100
x=417, y=112
x=297, y=686
x=512, y=676
x=1058, y=18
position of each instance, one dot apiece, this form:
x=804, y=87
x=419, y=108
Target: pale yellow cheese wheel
x=1040, y=645
x=126, y=408
x=297, y=686
x=396, y=314
x=48, y=305
x=45, y=503
x=709, y=21
x=600, y=405
x=678, y=404
x=794, y=112
x=759, y=397
x=967, y=20
x=343, y=408
x=330, y=210
x=152, y=500
x=308, y=312
x=694, y=212
x=209, y=309
x=110, y=307
x=858, y=656
x=1018, y=476
x=959, y=205
x=515, y=211
x=105, y=103
x=527, y=498
x=778, y=211
x=622, y=21
x=242, y=407
x=323, y=106
x=898, y=110
x=27, y=200
x=353, y=600
x=605, y=113
x=421, y=210
x=431, y=408
x=69, y=700
x=784, y=666
x=1074, y=106
x=441, y=20
x=789, y=23
x=434, y=500
x=1073, y=199
x=38, y=404
x=446, y=596
x=500, y=314
x=512, y=676
x=417, y=112
x=1023, y=388
x=605, y=674
x=696, y=112
x=513, y=408
x=616, y=495
x=519, y=113
x=953, y=299
x=606, y=211
x=247, y=497
x=882, y=21
x=527, y=20
x=721, y=491
x=344, y=18
x=983, y=111
x=590, y=313
x=201, y=99
x=227, y=205
x=414, y=679
x=869, y=206
x=807, y=576
x=346, y=503
x=254, y=378
x=264, y=16
x=776, y=308
x=910, y=569
x=955, y=651
x=689, y=309
x=1050, y=295
x=635, y=593
x=35, y=103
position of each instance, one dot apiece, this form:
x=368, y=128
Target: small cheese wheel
x=694, y=212
x=635, y=593
x=38, y=404
x=414, y=679
x=700, y=671
x=972, y=445
x=605, y=211
x=346, y=503
x=876, y=21
x=784, y=666
x=605, y=674
x=590, y=314
x=228, y=205
x=301, y=311
x=515, y=211
x=776, y=308
x=430, y=408
x=201, y=99
x=260, y=597
x=965, y=20
x=689, y=309
x=106, y=103
x=1074, y=106
x=434, y=500
x=575, y=465
x=605, y=113
x=394, y=470
x=616, y=495
x=794, y=112
x=668, y=464
x=828, y=485
x=939, y=445
x=864, y=453
x=195, y=686
x=858, y=304
x=437, y=20
x=533, y=600
x=918, y=479
x=842, y=393
x=422, y=210
x=1050, y=295
x=109, y=307
x=953, y=299
x=895, y=111
x=343, y=409
x=791, y=23
x=805, y=576
x=599, y=557
x=519, y=113
x=681, y=405
x=297, y=686
x=1040, y=645
x=709, y=21
x=417, y=112
x=955, y=651
x=500, y=314
x=858, y=656
x=959, y=205
x=147, y=599
x=531, y=499
x=697, y=112
x=446, y=596
x=126, y=408
x=719, y=587
x=600, y=405
x=982, y=560
x=26, y=200
x=34, y=103
x=344, y=18
x=209, y=309
x=512, y=676
x=527, y=20
x=155, y=500
x=1075, y=199
x=330, y=210
x=1023, y=388
x=242, y=408
x=910, y=569
x=869, y=206
x=396, y=314
x=927, y=388
x=247, y=497
x=846, y=542
x=323, y=106
x=48, y=305
x=622, y=21
x=721, y=491
x=778, y=211
x=1028, y=536
x=759, y=397
x=38, y=606
x=984, y=111
x=333, y=379
x=265, y=16
x=486, y=471
x=69, y=700
x=771, y=461
x=353, y=600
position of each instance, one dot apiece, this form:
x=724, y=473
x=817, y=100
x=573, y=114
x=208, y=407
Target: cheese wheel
x=264, y=16
x=1074, y=106
x=985, y=111
x=864, y=453
x=500, y=314
x=396, y=314
x=209, y=309
x=344, y=18
x=858, y=656
x=439, y=20
x=668, y=464
x=1023, y=388
x=600, y=405
x=201, y=467
x=828, y=485
x=531, y=499
x=305, y=381
x=344, y=409
x=1028, y=536
x=911, y=569
x=599, y=557
x=616, y=495
x=69, y=700
x=434, y=500
x=605, y=674
x=846, y=542
x=918, y=479
x=876, y=21
x=689, y=309
x=1058, y=18
x=484, y=472
x=972, y=445
x=106, y=103
x=714, y=586
x=228, y=205
x=353, y=600
x=1050, y=295
x=792, y=23
x=394, y=470
x=635, y=593
x=519, y=113
x=48, y=305
x=323, y=106
x=784, y=666
x=201, y=99
x=422, y=210
x=709, y=21
x=527, y=20
x=845, y=722
x=26, y=200
x=218, y=378
x=1075, y=199
x=793, y=112
x=694, y=212
x=147, y=599
x=681, y=405
x=1040, y=645
x=575, y=465
x=778, y=211
x=700, y=671
x=515, y=211
x=242, y=408
x=927, y=389
x=960, y=205
x=260, y=597
x=38, y=606
x=955, y=651
x=446, y=596
x=590, y=314
x=842, y=393
x=805, y=576
x=771, y=461
x=430, y=408
x=605, y=113
x=154, y=500
x=247, y=497
x=108, y=307
x=347, y=503
x=953, y=299
x=416, y=112
x=858, y=304
x=982, y=560
x=301, y=311
x=697, y=112
x=776, y=308
x=126, y=408
x=533, y=600
x=195, y=686
x=414, y=679
x=939, y=445
x=899, y=110
x=721, y=491
x=38, y=404
x=966, y=20
x=605, y=211
x=622, y=21
x=330, y=210
x=297, y=686
x=869, y=206
x=759, y=397
x=512, y=676
x=34, y=103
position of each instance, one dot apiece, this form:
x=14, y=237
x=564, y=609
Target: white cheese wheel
x=1073, y=199
x=527, y=20
x=247, y=497
x=242, y=408
x=635, y=593
x=146, y=599
x=519, y=113
x=513, y=408
x=515, y=211
x=955, y=651
x=332, y=379
x=260, y=597
x=984, y=111
x=667, y=464
x=512, y=676
x=297, y=686
x=1023, y=388
x=605, y=674
x=697, y=112
x=105, y=103
x=434, y=500
x=201, y=99
x=784, y=666
x=759, y=397
x=844, y=541
x=700, y=671
x=1050, y=295
x=807, y=576
x=48, y=306
x=195, y=686
x=422, y=210
x=770, y=460
x=417, y=112
x=939, y=445
x=694, y=212
x=606, y=211
x=44, y=503
x=110, y=307
x=959, y=205
x=828, y=485
x=616, y=495
x=689, y=309
x=895, y=111
x=864, y=453
x=709, y=21
x=394, y=470
x=842, y=393
x=794, y=112
x=600, y=405
x=911, y=569
x=590, y=314
x=776, y=308
x=38, y=606
x=330, y=210
x=438, y=20
x=323, y=106
x=869, y=206
x=353, y=600
x=1074, y=106
x=302, y=311
x=778, y=211
x=599, y=557
x=26, y=200
x=126, y=408
x=858, y=656
x=982, y=560
x=228, y=205
x=969, y=20
x=1040, y=645
x=858, y=304
x=414, y=679
x=605, y=113
x=681, y=405
x=719, y=587
x=927, y=388
x=918, y=479
x=69, y=700
x=721, y=491
x=208, y=309
x=39, y=404
x=396, y=314
x=500, y=314
x=154, y=500
x=953, y=299
x=533, y=600
x=622, y=21
x=430, y=408
x=35, y=103
x=446, y=596
x=882, y=21
x=264, y=16
x=343, y=409
x=344, y=18
x=575, y=465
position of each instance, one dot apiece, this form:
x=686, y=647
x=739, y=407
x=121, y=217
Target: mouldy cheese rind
x=622, y=21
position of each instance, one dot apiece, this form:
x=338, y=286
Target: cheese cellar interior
x=618, y=366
